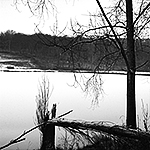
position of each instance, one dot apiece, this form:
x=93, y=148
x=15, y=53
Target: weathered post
x=48, y=141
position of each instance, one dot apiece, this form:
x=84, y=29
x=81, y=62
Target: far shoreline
x=113, y=72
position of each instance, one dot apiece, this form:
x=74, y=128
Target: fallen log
x=102, y=126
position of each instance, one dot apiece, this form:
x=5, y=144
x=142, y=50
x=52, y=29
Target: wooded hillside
x=52, y=52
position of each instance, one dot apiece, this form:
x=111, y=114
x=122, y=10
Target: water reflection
x=17, y=101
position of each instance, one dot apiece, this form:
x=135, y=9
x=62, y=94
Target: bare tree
x=42, y=100
x=121, y=26
x=43, y=115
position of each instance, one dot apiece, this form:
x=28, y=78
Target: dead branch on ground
x=20, y=137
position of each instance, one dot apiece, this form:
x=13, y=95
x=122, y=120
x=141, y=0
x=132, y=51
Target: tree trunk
x=131, y=104
x=48, y=139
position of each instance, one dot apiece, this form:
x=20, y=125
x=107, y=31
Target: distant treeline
x=72, y=52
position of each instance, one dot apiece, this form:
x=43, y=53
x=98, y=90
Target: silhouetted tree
x=120, y=26
x=43, y=115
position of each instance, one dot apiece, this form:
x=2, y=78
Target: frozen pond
x=19, y=89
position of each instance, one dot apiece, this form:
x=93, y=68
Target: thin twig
x=65, y=114
x=20, y=139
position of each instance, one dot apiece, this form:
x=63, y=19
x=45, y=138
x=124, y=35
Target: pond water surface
x=18, y=91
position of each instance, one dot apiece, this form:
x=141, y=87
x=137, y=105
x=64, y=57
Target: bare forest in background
x=50, y=52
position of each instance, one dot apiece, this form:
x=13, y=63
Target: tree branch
x=119, y=45
x=148, y=5
x=143, y=64
x=20, y=139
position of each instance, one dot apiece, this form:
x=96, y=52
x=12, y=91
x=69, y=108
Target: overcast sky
x=23, y=21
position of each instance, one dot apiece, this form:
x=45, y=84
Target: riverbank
x=15, y=62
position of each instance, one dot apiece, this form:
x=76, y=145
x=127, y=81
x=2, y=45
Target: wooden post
x=48, y=140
